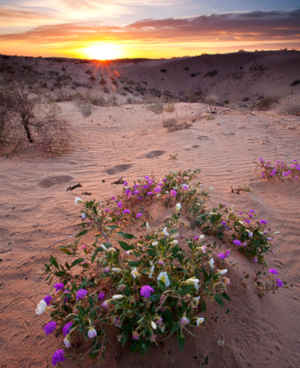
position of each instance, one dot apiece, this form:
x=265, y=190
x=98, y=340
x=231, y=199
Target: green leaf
x=219, y=299
x=83, y=232
x=226, y=296
x=125, y=245
x=181, y=341
x=76, y=262
x=126, y=235
x=134, y=263
x=53, y=261
x=65, y=250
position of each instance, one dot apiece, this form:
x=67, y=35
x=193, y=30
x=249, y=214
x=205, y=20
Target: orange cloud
x=188, y=35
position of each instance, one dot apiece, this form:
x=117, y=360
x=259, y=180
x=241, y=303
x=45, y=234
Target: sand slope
x=37, y=213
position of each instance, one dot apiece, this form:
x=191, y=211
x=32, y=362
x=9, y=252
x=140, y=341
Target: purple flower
x=273, y=271
x=173, y=192
x=147, y=177
x=146, y=291
x=224, y=223
x=261, y=160
x=126, y=211
x=185, y=187
x=58, y=356
x=149, y=193
x=247, y=221
x=81, y=293
x=263, y=222
x=135, y=192
x=49, y=327
x=120, y=204
x=279, y=283
x=224, y=255
x=146, y=186
x=48, y=299
x=107, y=210
x=273, y=172
x=125, y=183
x=157, y=189
x=59, y=286
x=113, y=198
x=66, y=329
x=255, y=259
x=196, y=237
x=237, y=242
x=101, y=295
x=138, y=215
x=135, y=335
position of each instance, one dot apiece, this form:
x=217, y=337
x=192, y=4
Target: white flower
x=41, y=307
x=202, y=236
x=204, y=248
x=241, y=222
x=135, y=273
x=165, y=232
x=111, y=250
x=196, y=300
x=211, y=263
x=163, y=276
x=83, y=216
x=116, y=269
x=92, y=332
x=199, y=321
x=117, y=296
x=193, y=281
x=178, y=207
x=184, y=321
x=277, y=232
x=211, y=188
x=103, y=247
x=153, y=325
x=148, y=227
x=67, y=342
x=151, y=271
x=77, y=200
x=222, y=272
x=175, y=241
x=155, y=243
x=250, y=233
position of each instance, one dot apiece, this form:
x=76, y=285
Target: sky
x=146, y=28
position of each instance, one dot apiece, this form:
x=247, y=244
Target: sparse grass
x=173, y=125
x=84, y=107
x=169, y=107
x=156, y=108
x=266, y=103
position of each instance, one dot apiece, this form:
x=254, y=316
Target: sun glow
x=103, y=51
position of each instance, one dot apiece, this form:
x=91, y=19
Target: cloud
x=240, y=29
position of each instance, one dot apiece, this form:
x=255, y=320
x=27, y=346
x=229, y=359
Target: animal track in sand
x=53, y=180
x=153, y=154
x=118, y=168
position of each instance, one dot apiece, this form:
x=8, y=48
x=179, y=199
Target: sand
x=37, y=214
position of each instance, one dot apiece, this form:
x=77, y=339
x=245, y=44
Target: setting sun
x=103, y=51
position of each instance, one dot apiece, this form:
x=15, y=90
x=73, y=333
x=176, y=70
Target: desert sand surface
x=38, y=213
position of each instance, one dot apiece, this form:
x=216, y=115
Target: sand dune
x=37, y=213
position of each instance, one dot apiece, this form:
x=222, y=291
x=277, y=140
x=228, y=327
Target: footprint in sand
x=153, y=154
x=118, y=168
x=53, y=180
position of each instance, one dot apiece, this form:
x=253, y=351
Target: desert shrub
x=173, y=125
x=148, y=282
x=295, y=83
x=157, y=108
x=169, y=107
x=265, y=103
x=84, y=107
x=27, y=123
x=211, y=73
x=279, y=169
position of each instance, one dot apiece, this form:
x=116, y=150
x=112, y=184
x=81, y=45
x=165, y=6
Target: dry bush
x=173, y=125
x=22, y=128
x=84, y=106
x=266, y=103
x=157, y=108
x=169, y=107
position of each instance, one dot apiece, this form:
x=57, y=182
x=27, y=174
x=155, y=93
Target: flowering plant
x=149, y=282
x=279, y=169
